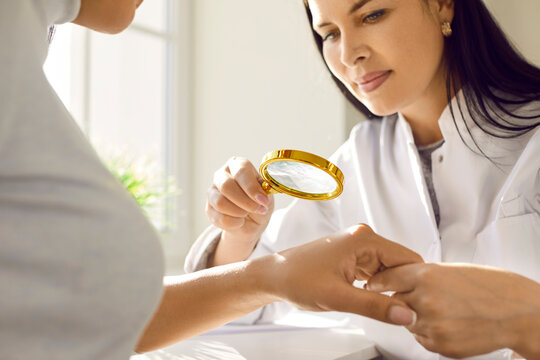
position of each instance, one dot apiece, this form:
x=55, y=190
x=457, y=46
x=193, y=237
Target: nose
x=353, y=50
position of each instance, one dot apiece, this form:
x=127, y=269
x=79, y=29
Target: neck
x=423, y=115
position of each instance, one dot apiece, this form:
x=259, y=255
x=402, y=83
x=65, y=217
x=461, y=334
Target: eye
x=330, y=36
x=374, y=17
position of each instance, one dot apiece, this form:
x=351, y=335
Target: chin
x=120, y=24
x=380, y=109
x=378, y=105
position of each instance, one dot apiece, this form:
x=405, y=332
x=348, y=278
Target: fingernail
x=401, y=316
x=262, y=199
x=261, y=210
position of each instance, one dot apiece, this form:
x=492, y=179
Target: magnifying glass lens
x=301, y=177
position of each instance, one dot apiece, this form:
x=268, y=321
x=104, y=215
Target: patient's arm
x=316, y=276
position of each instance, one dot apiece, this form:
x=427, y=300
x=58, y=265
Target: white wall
x=519, y=19
x=259, y=86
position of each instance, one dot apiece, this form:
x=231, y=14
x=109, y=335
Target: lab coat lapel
x=413, y=160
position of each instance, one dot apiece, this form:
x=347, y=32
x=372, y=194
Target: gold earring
x=446, y=29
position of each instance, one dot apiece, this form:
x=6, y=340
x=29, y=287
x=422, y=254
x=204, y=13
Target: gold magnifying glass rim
x=305, y=158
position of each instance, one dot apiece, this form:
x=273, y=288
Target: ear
x=442, y=10
x=445, y=9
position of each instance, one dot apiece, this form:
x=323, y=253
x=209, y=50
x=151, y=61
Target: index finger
x=249, y=179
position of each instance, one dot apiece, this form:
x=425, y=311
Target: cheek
x=415, y=57
x=420, y=54
x=332, y=58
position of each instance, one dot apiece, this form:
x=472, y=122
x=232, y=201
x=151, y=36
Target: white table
x=323, y=341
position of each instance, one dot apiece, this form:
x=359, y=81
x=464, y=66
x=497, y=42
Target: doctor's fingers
x=249, y=179
x=222, y=221
x=376, y=306
x=401, y=279
x=222, y=204
x=436, y=333
x=234, y=190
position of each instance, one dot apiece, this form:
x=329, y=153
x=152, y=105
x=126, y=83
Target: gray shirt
x=80, y=266
x=425, y=157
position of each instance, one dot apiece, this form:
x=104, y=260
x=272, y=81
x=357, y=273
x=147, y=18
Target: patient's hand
x=237, y=204
x=318, y=276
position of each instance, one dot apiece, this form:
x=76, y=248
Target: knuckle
x=361, y=231
x=208, y=210
x=252, y=207
x=364, y=228
x=237, y=163
x=428, y=304
x=211, y=193
x=220, y=203
x=436, y=332
x=232, y=159
x=426, y=274
x=227, y=186
x=245, y=175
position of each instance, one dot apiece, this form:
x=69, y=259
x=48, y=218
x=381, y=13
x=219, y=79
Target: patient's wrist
x=264, y=280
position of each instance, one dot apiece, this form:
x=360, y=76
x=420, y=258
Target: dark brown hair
x=494, y=77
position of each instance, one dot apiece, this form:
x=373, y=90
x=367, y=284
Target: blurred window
x=130, y=95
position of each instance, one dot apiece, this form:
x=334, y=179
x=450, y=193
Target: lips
x=372, y=80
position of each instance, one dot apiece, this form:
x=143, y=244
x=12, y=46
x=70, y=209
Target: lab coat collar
x=446, y=122
x=457, y=125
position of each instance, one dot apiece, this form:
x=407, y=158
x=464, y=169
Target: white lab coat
x=489, y=214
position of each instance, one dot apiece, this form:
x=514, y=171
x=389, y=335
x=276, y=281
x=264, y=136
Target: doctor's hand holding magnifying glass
x=240, y=202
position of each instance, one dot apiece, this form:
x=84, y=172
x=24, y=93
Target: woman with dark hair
x=448, y=165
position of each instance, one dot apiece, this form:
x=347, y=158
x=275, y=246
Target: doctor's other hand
x=319, y=275
x=237, y=203
x=465, y=310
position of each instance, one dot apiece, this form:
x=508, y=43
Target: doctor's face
x=388, y=53
x=108, y=16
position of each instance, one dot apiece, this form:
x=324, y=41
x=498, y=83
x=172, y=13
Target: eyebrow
x=357, y=6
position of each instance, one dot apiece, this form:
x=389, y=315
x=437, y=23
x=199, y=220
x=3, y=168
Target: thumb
x=374, y=305
x=392, y=254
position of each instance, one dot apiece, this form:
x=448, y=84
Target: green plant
x=147, y=186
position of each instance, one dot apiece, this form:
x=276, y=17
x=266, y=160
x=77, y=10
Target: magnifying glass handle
x=267, y=188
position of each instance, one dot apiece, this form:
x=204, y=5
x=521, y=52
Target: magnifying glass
x=300, y=174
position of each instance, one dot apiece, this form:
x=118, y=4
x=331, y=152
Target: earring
x=446, y=29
